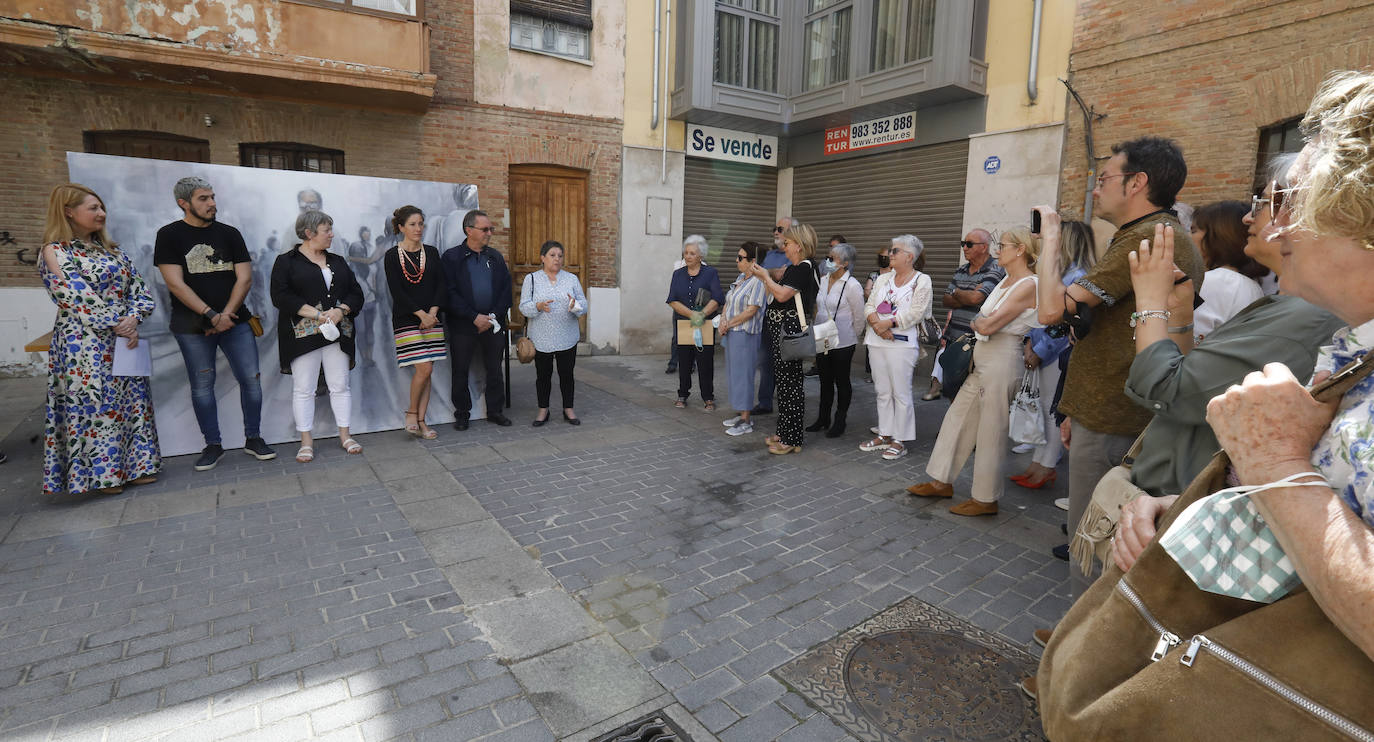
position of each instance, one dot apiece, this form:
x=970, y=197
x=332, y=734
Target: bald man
x=968, y=288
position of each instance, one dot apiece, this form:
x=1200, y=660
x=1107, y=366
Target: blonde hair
x=803, y=235
x=1336, y=197
x=1023, y=237
x=58, y=228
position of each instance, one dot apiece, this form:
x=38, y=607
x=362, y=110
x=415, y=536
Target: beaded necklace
x=405, y=263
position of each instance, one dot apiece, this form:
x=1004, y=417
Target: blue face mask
x=827, y=267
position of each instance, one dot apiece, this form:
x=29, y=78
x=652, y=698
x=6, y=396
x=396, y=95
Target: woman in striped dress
x=416, y=281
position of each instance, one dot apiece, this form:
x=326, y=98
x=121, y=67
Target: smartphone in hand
x=1035, y=221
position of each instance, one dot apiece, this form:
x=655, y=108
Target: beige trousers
x=978, y=418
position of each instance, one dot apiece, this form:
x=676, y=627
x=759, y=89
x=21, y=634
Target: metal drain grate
x=655, y=727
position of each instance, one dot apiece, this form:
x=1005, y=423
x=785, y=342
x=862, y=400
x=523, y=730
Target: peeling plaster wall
x=520, y=79
x=246, y=25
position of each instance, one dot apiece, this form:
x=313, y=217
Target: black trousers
x=461, y=347
x=705, y=362
x=834, y=367
x=543, y=379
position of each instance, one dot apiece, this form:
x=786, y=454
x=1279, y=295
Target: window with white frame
x=561, y=28
x=825, y=42
x=398, y=7
x=903, y=31
x=746, y=44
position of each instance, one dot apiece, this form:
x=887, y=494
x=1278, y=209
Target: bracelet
x=209, y=311
x=1138, y=317
x=1180, y=328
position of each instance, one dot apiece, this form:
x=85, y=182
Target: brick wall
x=455, y=140
x=1209, y=75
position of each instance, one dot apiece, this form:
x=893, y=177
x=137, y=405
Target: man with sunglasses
x=775, y=262
x=479, y=299
x=1136, y=190
x=964, y=296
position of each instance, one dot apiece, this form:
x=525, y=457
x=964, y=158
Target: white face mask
x=827, y=267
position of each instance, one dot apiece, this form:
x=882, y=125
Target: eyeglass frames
x=1278, y=197
x=777, y=230
x=488, y=230
x=968, y=245
x=1102, y=179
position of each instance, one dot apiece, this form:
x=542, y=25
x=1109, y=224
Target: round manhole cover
x=913, y=685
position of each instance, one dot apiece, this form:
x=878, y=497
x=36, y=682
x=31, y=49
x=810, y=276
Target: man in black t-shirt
x=208, y=270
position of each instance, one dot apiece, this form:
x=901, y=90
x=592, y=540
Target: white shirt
x=1224, y=293
x=842, y=301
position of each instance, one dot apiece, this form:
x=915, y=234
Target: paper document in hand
x=135, y=361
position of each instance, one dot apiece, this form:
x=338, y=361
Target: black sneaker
x=1061, y=552
x=257, y=448
x=209, y=457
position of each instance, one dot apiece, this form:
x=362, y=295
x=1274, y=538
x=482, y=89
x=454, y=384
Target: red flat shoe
x=1047, y=481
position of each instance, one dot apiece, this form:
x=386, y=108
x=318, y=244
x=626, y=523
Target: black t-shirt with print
x=801, y=277
x=207, y=256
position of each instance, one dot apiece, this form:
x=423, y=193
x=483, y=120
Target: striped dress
x=416, y=281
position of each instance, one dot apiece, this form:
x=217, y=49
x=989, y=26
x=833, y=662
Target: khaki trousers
x=978, y=419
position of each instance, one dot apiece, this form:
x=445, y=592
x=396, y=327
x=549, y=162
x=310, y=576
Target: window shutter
x=572, y=12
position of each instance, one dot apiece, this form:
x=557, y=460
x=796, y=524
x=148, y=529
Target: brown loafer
x=973, y=507
x=1029, y=687
x=931, y=489
x=1042, y=636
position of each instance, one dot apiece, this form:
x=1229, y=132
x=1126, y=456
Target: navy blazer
x=458, y=288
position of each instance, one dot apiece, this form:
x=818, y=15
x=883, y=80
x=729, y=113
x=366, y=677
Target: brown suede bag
x=1149, y=656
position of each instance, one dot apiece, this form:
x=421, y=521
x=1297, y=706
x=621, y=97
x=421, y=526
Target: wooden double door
x=547, y=202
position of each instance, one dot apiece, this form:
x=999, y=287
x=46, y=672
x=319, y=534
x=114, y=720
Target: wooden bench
x=40, y=345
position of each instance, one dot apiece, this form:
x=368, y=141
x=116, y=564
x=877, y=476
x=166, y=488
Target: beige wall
x=1029, y=176
x=1009, y=40
x=519, y=79
x=639, y=78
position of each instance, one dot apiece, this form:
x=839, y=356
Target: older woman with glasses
x=840, y=299
x=798, y=283
x=694, y=294
x=740, y=324
x=894, y=311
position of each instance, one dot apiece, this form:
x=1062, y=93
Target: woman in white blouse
x=894, y=311
x=551, y=300
x=978, y=416
x=841, y=298
x=1230, y=284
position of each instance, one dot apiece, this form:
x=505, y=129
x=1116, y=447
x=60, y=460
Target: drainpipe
x=658, y=30
x=663, y=173
x=1034, y=51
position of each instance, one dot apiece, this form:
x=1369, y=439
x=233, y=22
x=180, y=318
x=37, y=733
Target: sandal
x=145, y=479
x=427, y=433
x=710, y=405
x=413, y=428
x=771, y=440
x=782, y=449
x=681, y=403
x=305, y=455
x=877, y=444
x=352, y=446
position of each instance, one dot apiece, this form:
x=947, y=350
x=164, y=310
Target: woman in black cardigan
x=416, y=279
x=317, y=297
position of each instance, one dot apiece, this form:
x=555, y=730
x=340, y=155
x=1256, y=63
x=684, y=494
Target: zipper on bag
x=1346, y=726
x=1167, y=639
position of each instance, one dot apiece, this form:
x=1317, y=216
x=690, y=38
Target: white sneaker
x=894, y=451
x=732, y=422
x=1022, y=448
x=1062, y=503
x=740, y=428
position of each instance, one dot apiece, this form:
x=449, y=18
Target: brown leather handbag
x=1148, y=655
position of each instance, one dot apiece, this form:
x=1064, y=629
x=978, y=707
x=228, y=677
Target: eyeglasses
x=969, y=245
x=1102, y=179
x=741, y=257
x=1278, y=197
x=488, y=230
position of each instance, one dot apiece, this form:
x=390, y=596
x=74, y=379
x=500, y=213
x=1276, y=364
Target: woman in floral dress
x=100, y=433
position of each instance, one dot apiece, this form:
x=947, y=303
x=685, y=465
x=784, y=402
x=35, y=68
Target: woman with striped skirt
x=416, y=281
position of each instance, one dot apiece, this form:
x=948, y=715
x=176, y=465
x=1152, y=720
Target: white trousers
x=1048, y=454
x=892, y=372
x=305, y=373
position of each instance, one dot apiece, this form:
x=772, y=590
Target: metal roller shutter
x=728, y=203
x=872, y=199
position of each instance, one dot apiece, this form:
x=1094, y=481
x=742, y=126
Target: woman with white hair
x=840, y=298
x=694, y=294
x=894, y=311
x=318, y=299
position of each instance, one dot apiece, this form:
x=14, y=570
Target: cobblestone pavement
x=498, y=584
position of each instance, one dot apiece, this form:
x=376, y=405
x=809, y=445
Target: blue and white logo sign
x=992, y=164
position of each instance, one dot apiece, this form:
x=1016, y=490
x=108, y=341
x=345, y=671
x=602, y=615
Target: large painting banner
x=263, y=205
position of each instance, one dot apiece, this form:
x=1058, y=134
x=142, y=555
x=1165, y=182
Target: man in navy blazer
x=479, y=299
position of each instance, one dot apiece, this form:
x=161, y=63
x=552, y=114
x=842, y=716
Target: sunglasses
x=777, y=230
x=741, y=257
x=488, y=230
x=966, y=244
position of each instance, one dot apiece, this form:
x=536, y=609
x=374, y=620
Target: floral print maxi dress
x=100, y=430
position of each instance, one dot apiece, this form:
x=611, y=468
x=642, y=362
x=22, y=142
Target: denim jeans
x=241, y=348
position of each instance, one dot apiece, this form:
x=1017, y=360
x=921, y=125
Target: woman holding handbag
x=840, y=299
x=894, y=311
x=551, y=300
x=793, y=300
x=978, y=417
x=416, y=280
